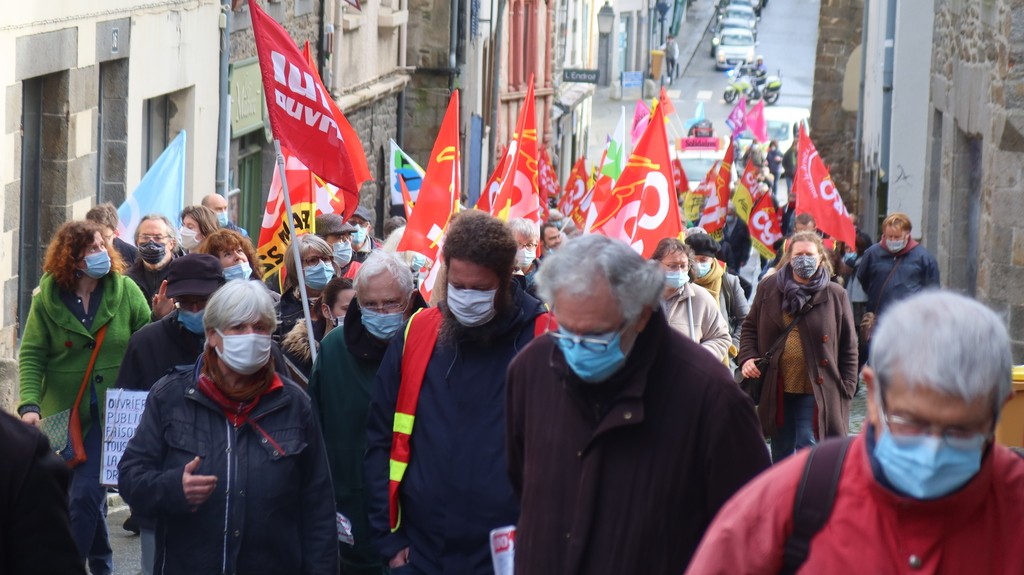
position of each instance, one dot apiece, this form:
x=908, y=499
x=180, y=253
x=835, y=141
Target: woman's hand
x=198, y=488
x=31, y=418
x=750, y=368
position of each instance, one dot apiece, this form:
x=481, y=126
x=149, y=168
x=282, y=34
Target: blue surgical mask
x=191, y=320
x=383, y=325
x=359, y=236
x=418, y=261
x=222, y=219
x=850, y=258
x=240, y=271
x=342, y=253
x=676, y=279
x=590, y=364
x=97, y=265
x=471, y=307
x=804, y=266
x=525, y=257
x=703, y=268
x=925, y=466
x=895, y=246
x=317, y=276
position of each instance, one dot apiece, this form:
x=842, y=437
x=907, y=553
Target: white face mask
x=188, y=238
x=471, y=307
x=525, y=257
x=244, y=353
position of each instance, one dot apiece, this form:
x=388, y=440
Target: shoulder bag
x=753, y=385
x=64, y=428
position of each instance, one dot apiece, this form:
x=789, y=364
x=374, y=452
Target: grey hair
x=524, y=227
x=171, y=230
x=635, y=282
x=946, y=342
x=238, y=302
x=306, y=242
x=382, y=262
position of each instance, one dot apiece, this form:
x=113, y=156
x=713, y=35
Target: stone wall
x=302, y=24
x=834, y=129
x=978, y=116
x=376, y=123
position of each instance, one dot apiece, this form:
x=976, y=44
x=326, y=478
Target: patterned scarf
x=795, y=295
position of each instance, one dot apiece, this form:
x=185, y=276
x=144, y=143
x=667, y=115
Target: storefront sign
x=246, y=88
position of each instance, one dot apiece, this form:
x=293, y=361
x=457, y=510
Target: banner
x=490, y=191
x=547, y=183
x=641, y=117
x=817, y=195
x=642, y=208
x=441, y=190
x=300, y=109
x=716, y=209
x=575, y=187
x=756, y=122
x=746, y=188
x=737, y=119
x=160, y=191
x=308, y=199
x=694, y=200
x=764, y=225
x=120, y=419
x=518, y=196
x=411, y=173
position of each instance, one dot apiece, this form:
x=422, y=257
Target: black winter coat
x=456, y=489
x=35, y=534
x=272, y=511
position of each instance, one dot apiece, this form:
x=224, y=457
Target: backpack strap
x=814, y=500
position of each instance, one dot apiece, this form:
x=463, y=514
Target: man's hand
x=750, y=369
x=197, y=487
x=400, y=558
x=162, y=305
x=31, y=418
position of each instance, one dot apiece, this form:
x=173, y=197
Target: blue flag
x=161, y=191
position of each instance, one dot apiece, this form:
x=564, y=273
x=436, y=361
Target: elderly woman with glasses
x=229, y=458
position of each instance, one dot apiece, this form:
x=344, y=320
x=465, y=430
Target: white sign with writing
x=503, y=550
x=122, y=413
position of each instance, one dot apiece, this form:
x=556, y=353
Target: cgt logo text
x=301, y=85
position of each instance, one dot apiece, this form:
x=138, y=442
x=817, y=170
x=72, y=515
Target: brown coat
x=624, y=476
x=829, y=339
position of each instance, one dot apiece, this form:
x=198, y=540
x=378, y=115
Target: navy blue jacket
x=456, y=488
x=917, y=271
x=272, y=511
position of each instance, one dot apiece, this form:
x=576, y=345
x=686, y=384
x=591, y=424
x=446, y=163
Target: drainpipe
x=492, y=141
x=224, y=129
x=453, y=44
x=862, y=202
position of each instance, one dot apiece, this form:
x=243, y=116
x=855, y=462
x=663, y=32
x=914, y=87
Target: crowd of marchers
x=556, y=383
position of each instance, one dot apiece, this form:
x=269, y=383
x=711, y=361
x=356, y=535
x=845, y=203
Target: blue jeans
x=797, y=429
x=88, y=504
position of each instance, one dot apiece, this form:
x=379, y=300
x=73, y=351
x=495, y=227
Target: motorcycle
x=742, y=83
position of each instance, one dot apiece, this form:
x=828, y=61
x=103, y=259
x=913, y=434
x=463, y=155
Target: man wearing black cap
x=338, y=235
x=363, y=241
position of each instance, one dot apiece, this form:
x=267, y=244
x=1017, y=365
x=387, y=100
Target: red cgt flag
x=440, y=190
x=518, y=196
x=575, y=187
x=299, y=106
x=547, y=182
x=643, y=208
x=817, y=195
x=713, y=220
x=353, y=145
x=490, y=191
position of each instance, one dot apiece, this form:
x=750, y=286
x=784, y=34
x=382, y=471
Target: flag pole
x=299, y=272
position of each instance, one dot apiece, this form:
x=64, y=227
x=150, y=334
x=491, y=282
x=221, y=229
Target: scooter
x=744, y=84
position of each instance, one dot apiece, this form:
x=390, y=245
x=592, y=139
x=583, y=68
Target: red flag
x=575, y=187
x=547, y=182
x=764, y=225
x=756, y=122
x=299, y=106
x=642, y=208
x=353, y=145
x=440, y=190
x=518, y=196
x=817, y=195
x=275, y=234
x=666, y=103
x=679, y=178
x=641, y=117
x=713, y=220
x=737, y=119
x=406, y=198
x=490, y=191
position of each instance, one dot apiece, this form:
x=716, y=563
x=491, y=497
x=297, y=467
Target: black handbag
x=752, y=386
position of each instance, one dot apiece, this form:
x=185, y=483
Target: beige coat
x=692, y=305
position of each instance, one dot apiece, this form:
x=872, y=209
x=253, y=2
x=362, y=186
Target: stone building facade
x=974, y=197
x=833, y=121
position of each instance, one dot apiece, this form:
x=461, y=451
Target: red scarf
x=237, y=412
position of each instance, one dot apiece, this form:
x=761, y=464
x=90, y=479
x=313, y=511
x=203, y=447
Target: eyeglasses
x=593, y=343
x=386, y=306
x=529, y=246
x=955, y=437
x=152, y=238
x=314, y=260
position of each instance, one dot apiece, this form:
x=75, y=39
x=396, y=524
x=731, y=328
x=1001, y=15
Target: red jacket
x=871, y=529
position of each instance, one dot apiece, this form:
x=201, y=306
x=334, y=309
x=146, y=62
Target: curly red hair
x=225, y=240
x=67, y=249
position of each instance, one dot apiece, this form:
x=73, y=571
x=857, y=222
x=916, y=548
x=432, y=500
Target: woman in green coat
x=81, y=291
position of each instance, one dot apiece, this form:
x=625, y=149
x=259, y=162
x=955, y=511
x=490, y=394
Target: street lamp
x=662, y=8
x=605, y=23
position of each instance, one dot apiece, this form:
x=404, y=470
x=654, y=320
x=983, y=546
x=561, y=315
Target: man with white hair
x=924, y=488
x=527, y=236
x=624, y=436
